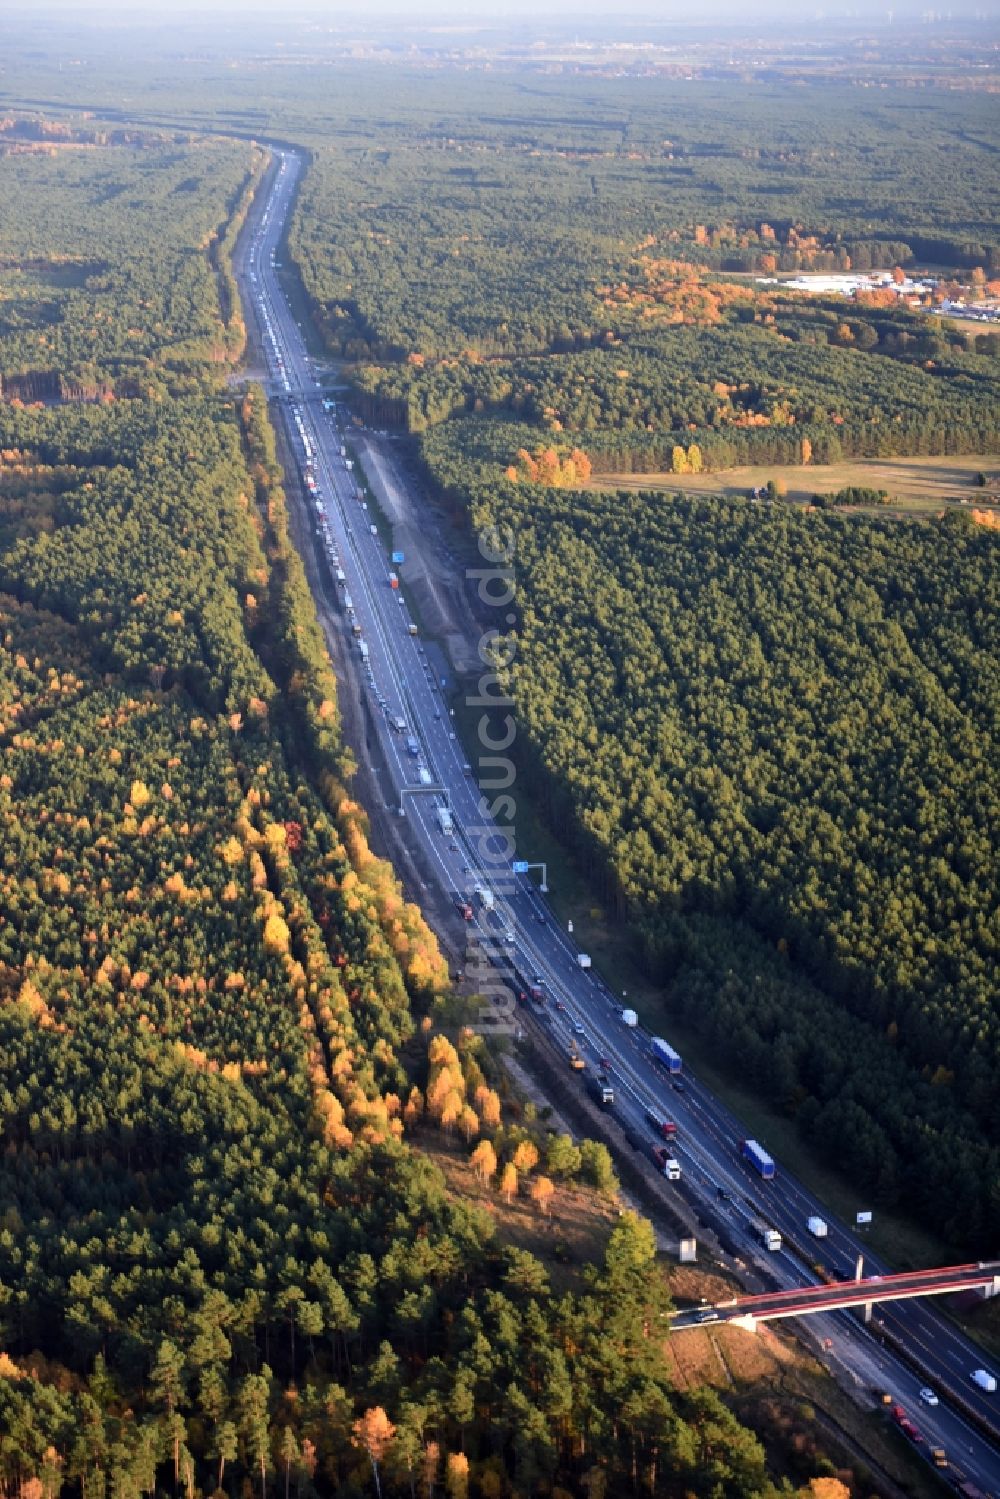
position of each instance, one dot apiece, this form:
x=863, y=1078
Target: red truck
x=905, y=1425
x=665, y=1127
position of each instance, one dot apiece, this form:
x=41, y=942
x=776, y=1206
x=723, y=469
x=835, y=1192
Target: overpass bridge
x=864, y=1291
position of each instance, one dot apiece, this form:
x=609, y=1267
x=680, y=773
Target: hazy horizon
x=456, y=14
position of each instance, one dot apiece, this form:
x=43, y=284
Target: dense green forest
x=773, y=737
x=111, y=265
x=742, y=395
x=225, y=1263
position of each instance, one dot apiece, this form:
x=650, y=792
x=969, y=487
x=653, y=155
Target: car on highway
x=708, y=1314
x=560, y=1006
x=605, y=1063
x=578, y=1027
x=678, y=1086
x=541, y=918
x=928, y=1396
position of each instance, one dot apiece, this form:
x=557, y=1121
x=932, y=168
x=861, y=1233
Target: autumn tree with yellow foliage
x=548, y=467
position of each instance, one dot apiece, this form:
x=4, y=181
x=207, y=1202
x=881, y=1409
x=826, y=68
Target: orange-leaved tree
x=373, y=1433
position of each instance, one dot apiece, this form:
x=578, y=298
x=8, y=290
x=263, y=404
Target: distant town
x=937, y=295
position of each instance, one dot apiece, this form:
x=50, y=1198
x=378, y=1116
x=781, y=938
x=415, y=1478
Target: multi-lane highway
x=448, y=819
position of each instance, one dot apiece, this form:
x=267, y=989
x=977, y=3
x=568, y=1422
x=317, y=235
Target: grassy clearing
x=918, y=486
x=571, y=1236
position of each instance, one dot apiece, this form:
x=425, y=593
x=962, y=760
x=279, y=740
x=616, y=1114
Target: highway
x=465, y=852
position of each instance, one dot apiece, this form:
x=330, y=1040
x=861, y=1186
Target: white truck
x=446, y=822
x=485, y=895
x=817, y=1227
x=601, y=1090
x=985, y=1380
x=583, y=959
x=630, y=1018
x=768, y=1236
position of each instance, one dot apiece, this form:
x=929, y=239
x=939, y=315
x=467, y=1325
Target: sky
x=481, y=15
x=261, y=23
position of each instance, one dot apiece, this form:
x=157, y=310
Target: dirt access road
x=434, y=578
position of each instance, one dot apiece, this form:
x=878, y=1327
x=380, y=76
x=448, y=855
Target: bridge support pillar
x=859, y=1268
x=868, y=1312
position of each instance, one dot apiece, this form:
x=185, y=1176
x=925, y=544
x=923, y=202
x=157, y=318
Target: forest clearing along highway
x=512, y=933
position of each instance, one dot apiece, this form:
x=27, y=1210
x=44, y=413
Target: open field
x=917, y=485
x=573, y=1234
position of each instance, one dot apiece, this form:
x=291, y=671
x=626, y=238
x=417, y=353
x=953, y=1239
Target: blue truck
x=758, y=1157
x=665, y=1055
